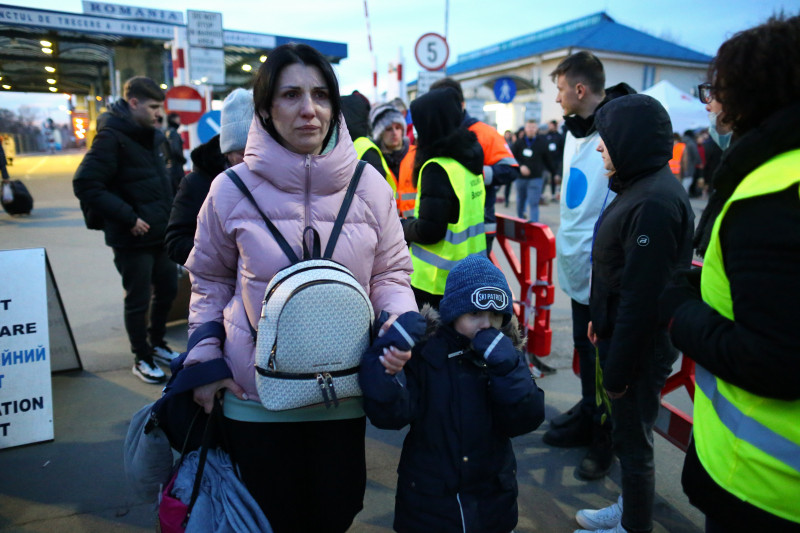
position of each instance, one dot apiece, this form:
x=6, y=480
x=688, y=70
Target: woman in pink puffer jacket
x=298, y=163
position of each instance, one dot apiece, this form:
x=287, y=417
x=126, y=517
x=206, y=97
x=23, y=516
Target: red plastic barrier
x=537, y=293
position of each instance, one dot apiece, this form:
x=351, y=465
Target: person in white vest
x=580, y=80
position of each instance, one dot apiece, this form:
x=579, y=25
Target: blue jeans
x=633, y=417
x=529, y=190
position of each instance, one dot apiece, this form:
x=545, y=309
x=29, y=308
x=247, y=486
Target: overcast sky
x=397, y=24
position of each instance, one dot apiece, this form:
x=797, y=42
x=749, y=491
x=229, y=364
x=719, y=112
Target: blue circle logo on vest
x=576, y=188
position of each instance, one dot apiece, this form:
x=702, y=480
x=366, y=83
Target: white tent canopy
x=685, y=110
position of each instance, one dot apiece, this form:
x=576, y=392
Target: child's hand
x=497, y=349
x=393, y=359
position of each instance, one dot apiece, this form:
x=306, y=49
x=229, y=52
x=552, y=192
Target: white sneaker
x=616, y=529
x=164, y=353
x=607, y=519
x=148, y=372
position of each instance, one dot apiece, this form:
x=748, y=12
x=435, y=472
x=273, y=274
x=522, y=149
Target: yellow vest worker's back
x=748, y=444
x=362, y=144
x=406, y=189
x=433, y=262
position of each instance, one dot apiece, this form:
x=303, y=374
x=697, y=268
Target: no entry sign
x=186, y=102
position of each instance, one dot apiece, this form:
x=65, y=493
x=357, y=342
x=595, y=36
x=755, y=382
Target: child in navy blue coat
x=465, y=392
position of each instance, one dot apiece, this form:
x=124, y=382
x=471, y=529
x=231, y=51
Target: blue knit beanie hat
x=475, y=284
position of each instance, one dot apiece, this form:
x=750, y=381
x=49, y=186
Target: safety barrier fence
x=535, y=278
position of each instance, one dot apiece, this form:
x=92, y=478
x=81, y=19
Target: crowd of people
x=445, y=357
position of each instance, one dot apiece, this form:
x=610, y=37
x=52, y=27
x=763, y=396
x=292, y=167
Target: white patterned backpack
x=315, y=322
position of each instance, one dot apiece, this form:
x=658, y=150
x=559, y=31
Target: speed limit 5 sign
x=432, y=51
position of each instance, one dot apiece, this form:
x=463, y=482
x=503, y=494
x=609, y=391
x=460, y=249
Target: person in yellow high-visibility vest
x=447, y=224
x=737, y=317
x=388, y=133
x=355, y=110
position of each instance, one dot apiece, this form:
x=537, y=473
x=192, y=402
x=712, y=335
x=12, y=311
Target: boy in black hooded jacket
x=642, y=237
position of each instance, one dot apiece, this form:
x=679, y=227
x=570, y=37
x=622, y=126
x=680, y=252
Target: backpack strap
x=275, y=233
x=348, y=198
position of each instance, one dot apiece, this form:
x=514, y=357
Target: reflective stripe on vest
x=433, y=262
x=362, y=145
x=744, y=427
x=748, y=444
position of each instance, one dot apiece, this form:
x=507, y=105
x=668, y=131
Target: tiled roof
x=597, y=32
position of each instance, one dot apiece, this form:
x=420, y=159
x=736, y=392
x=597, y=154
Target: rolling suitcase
x=21, y=200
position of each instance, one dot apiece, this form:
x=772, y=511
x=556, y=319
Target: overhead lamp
x=6, y=87
x=247, y=67
x=163, y=86
x=53, y=89
x=47, y=50
x=50, y=69
x=51, y=81
x=262, y=58
x=48, y=44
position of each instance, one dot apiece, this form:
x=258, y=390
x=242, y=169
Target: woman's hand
x=393, y=359
x=386, y=325
x=204, y=394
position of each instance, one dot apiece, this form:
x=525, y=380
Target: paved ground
x=76, y=482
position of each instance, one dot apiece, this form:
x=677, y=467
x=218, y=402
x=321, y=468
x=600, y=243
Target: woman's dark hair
x=437, y=116
x=757, y=72
x=265, y=84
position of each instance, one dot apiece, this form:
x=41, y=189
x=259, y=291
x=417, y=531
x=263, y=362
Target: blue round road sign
x=505, y=90
x=209, y=125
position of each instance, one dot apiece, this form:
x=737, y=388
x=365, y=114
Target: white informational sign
x=474, y=109
x=533, y=111
x=427, y=78
x=204, y=29
x=432, y=51
x=85, y=24
x=26, y=394
x=207, y=65
x=149, y=14
x=256, y=40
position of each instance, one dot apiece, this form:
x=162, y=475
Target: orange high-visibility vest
x=406, y=189
x=677, y=155
x=495, y=150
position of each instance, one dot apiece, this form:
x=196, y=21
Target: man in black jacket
x=580, y=80
x=641, y=238
x=123, y=179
